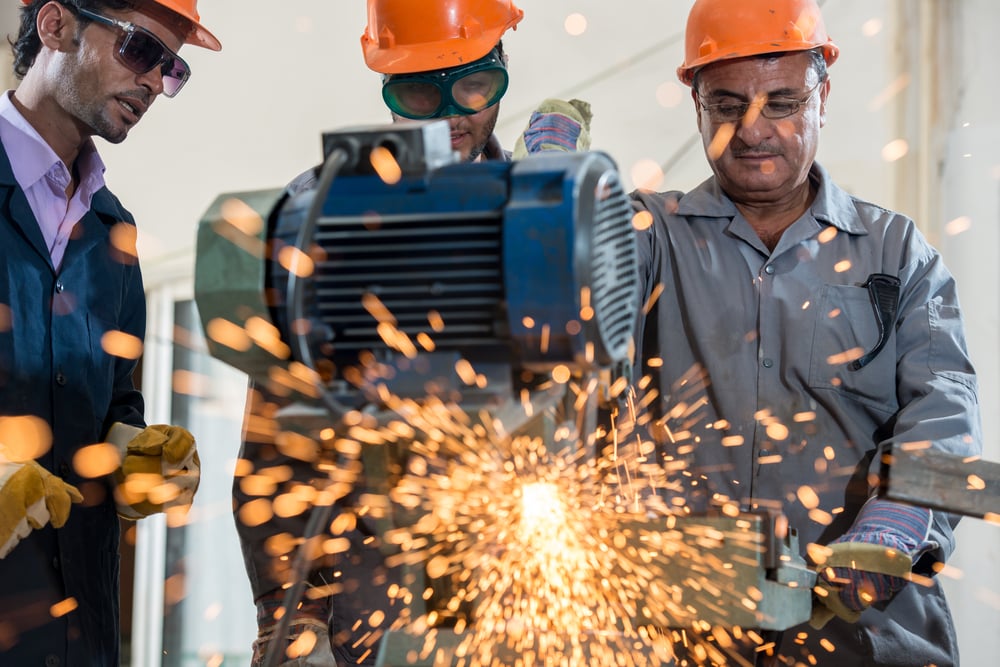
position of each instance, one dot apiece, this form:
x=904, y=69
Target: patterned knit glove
x=556, y=125
x=870, y=563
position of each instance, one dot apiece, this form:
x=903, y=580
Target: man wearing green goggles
x=439, y=59
x=463, y=90
x=467, y=95
x=444, y=59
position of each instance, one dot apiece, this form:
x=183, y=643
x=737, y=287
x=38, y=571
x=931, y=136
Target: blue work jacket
x=53, y=366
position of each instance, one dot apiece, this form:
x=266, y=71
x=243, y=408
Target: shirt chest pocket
x=847, y=328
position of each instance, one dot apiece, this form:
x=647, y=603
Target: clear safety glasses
x=462, y=90
x=773, y=108
x=142, y=51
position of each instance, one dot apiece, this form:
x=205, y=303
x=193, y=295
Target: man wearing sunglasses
x=811, y=329
x=72, y=321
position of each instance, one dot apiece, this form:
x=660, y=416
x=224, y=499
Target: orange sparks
x=24, y=438
x=97, y=460
x=385, y=165
x=721, y=140
x=63, y=607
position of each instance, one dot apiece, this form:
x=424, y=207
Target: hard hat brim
x=686, y=71
x=200, y=36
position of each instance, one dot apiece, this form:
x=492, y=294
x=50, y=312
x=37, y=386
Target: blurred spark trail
x=532, y=557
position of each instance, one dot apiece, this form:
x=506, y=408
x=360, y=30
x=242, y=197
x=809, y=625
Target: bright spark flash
x=534, y=556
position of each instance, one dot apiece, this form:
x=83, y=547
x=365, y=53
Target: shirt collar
x=831, y=205
x=32, y=158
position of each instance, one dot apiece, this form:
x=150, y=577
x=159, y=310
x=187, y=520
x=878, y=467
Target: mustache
x=738, y=149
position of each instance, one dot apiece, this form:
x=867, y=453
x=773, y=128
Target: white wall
x=970, y=188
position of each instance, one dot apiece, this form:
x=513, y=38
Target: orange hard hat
x=199, y=35
x=726, y=29
x=406, y=36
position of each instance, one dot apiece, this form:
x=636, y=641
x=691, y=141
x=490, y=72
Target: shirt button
x=60, y=379
x=64, y=469
x=55, y=562
x=767, y=363
x=52, y=661
x=769, y=269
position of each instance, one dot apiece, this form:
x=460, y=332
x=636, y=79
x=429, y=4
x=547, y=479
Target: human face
x=469, y=133
x=96, y=88
x=760, y=161
x=141, y=51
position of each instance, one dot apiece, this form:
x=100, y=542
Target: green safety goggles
x=462, y=90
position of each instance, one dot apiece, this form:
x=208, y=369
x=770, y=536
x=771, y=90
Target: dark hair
x=818, y=64
x=27, y=45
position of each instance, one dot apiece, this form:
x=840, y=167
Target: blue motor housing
x=510, y=266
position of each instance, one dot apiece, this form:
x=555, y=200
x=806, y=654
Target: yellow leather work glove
x=30, y=497
x=556, y=125
x=160, y=469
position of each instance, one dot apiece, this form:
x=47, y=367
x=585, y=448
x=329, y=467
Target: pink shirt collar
x=31, y=157
x=44, y=178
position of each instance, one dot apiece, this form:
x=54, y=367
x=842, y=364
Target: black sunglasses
x=141, y=51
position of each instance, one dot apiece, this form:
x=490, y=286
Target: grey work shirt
x=749, y=350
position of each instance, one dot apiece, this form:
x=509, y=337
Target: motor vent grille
x=420, y=268
x=614, y=266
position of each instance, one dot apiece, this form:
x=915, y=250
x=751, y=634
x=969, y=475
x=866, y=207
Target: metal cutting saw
x=396, y=278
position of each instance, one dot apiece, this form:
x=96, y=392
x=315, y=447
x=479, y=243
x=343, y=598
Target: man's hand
x=30, y=497
x=160, y=469
x=871, y=562
x=556, y=125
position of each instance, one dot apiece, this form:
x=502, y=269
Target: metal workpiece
x=924, y=476
x=725, y=571
x=737, y=573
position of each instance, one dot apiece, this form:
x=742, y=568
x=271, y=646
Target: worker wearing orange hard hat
x=443, y=59
x=718, y=31
x=439, y=59
x=72, y=321
x=824, y=329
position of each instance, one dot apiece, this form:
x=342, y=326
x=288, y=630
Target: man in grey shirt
x=813, y=328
